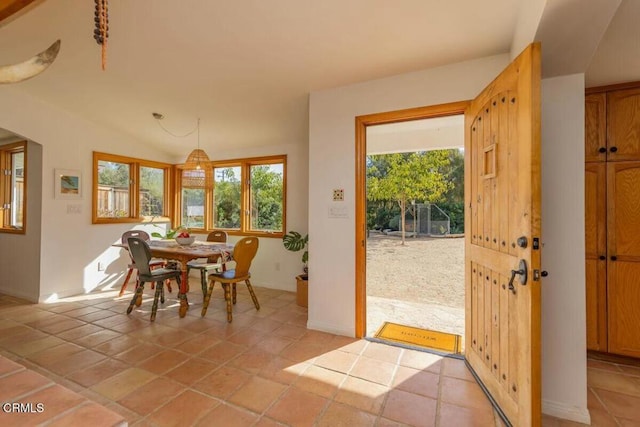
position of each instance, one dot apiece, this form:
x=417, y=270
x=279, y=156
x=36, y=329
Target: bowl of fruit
x=185, y=239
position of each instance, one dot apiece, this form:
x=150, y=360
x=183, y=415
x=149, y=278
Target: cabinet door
x=595, y=127
x=623, y=268
x=596, y=255
x=623, y=121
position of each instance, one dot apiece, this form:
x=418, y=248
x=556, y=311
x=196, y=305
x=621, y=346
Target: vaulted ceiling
x=245, y=68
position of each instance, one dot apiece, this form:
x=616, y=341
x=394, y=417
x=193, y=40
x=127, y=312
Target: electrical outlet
x=338, y=195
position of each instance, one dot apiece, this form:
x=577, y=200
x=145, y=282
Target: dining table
x=172, y=251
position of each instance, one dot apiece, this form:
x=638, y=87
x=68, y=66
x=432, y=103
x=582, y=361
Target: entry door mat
x=408, y=335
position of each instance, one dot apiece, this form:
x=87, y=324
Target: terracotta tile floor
x=264, y=369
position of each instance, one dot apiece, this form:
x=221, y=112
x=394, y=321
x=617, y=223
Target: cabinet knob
x=613, y=149
x=602, y=150
x=614, y=258
x=602, y=257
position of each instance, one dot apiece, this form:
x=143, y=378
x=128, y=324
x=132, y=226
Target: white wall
x=20, y=253
x=332, y=165
x=71, y=246
x=564, y=364
x=529, y=15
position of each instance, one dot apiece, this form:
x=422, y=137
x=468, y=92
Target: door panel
x=596, y=254
x=502, y=191
x=623, y=269
x=595, y=127
x=623, y=121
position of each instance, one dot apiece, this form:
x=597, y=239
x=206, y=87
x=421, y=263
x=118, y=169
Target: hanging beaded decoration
x=101, y=33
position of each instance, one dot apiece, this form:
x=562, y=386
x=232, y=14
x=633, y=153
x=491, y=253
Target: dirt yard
x=418, y=284
x=428, y=270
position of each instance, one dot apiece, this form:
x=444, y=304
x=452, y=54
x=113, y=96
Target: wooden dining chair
x=154, y=263
x=141, y=254
x=243, y=253
x=210, y=264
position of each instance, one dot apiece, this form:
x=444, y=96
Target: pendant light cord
x=184, y=135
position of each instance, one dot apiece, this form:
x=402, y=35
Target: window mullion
x=5, y=186
x=209, y=199
x=244, y=224
x=134, y=187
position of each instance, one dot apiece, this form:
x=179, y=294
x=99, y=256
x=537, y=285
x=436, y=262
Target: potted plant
x=171, y=233
x=296, y=242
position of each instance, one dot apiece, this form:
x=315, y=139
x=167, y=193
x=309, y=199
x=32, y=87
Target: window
x=129, y=190
x=227, y=200
x=193, y=198
x=152, y=185
x=243, y=196
x=266, y=187
x=13, y=163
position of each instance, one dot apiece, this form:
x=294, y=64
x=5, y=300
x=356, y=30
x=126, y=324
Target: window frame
x=6, y=188
x=135, y=164
x=245, y=165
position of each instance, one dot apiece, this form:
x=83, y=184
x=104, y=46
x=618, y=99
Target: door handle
x=522, y=272
x=613, y=149
x=602, y=150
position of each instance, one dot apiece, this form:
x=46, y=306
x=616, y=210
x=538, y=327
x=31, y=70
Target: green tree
x=151, y=191
x=453, y=200
x=113, y=174
x=454, y=173
x=404, y=177
x=227, y=198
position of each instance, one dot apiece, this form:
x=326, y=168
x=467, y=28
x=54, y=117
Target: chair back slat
x=217, y=236
x=141, y=254
x=243, y=253
x=135, y=233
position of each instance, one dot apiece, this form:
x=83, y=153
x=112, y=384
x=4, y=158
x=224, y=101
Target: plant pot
x=302, y=290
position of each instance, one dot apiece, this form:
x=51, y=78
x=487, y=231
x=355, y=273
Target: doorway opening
x=415, y=263
x=417, y=135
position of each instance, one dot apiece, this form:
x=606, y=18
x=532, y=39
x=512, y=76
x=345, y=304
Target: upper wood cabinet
x=623, y=124
x=595, y=127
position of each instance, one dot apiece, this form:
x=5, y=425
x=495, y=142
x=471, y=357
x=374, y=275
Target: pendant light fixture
x=197, y=159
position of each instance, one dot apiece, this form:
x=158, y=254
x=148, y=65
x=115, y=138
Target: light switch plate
x=338, y=212
x=74, y=209
x=338, y=195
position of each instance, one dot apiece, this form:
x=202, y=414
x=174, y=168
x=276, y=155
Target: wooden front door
x=502, y=238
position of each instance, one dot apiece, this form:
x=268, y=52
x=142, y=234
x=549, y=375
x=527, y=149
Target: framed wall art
x=68, y=184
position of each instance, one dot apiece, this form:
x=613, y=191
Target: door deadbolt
x=522, y=242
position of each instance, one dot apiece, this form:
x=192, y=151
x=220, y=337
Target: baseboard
x=566, y=412
x=329, y=328
x=20, y=295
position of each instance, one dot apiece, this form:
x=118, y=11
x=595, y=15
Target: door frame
x=362, y=122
